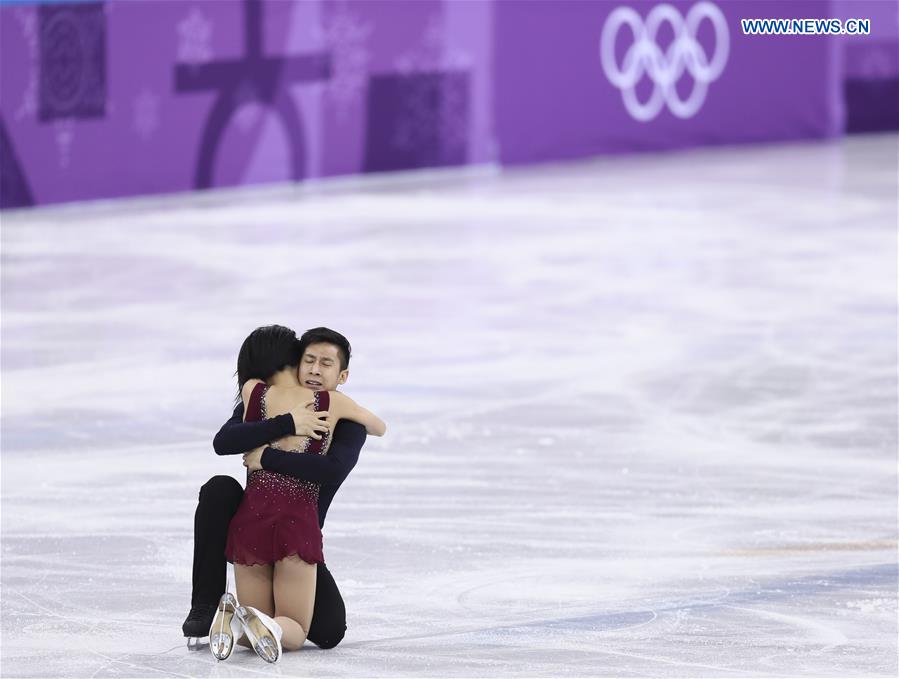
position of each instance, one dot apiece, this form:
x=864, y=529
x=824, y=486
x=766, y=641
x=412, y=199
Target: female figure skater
x=274, y=539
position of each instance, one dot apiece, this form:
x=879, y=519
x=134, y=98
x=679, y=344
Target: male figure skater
x=324, y=365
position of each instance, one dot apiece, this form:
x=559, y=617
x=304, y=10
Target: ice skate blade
x=265, y=649
x=196, y=643
x=259, y=630
x=226, y=628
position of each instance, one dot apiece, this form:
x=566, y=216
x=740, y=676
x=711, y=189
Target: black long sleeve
x=329, y=470
x=237, y=437
x=332, y=468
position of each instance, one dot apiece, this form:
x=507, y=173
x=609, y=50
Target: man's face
x=320, y=367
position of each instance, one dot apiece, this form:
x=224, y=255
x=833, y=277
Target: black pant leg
x=219, y=499
x=329, y=613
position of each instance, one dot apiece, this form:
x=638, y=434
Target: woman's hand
x=253, y=459
x=307, y=422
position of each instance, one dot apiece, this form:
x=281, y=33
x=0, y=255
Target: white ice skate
x=226, y=627
x=263, y=632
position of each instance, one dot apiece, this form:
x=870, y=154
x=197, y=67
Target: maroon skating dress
x=278, y=516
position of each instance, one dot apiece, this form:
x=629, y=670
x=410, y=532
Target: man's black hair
x=315, y=335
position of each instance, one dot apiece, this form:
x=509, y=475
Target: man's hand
x=307, y=422
x=253, y=459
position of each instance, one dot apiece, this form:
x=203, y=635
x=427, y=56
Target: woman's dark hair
x=315, y=335
x=266, y=351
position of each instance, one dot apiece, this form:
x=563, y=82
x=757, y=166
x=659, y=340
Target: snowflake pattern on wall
x=346, y=35
x=64, y=133
x=145, y=113
x=433, y=112
x=877, y=63
x=73, y=61
x=431, y=55
x=195, y=38
x=28, y=21
x=444, y=112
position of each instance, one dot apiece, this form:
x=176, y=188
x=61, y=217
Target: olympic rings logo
x=664, y=68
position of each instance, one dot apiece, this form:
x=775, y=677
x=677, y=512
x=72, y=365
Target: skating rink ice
x=642, y=416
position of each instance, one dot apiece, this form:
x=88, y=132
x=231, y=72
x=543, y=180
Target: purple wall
x=572, y=79
x=108, y=99
x=111, y=99
x=870, y=66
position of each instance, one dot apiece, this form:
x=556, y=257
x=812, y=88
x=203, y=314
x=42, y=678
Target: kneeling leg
x=294, y=589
